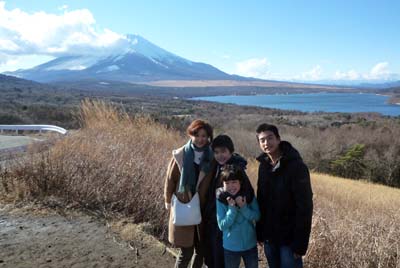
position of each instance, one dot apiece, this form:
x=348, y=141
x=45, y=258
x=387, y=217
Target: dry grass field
x=355, y=223
x=116, y=165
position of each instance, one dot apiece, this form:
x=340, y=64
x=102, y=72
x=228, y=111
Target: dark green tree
x=351, y=164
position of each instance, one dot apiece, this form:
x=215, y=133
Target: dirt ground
x=31, y=237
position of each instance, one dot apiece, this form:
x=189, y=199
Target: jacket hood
x=289, y=153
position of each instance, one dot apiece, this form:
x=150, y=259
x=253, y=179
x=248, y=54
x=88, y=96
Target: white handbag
x=186, y=214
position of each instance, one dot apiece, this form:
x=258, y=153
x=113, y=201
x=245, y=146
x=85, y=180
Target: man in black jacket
x=284, y=196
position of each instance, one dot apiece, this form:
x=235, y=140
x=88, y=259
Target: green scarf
x=188, y=180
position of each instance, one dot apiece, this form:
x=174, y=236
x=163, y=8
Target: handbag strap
x=186, y=191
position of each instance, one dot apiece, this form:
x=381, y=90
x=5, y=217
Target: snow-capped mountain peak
x=150, y=50
x=134, y=59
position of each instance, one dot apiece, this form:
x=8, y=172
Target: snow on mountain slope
x=138, y=60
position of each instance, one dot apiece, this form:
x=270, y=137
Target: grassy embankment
x=116, y=164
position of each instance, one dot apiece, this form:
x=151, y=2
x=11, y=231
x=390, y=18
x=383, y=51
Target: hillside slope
x=113, y=160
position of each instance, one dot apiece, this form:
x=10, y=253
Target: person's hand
x=167, y=206
x=240, y=201
x=231, y=202
x=296, y=256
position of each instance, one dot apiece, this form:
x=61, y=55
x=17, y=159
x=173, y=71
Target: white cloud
x=261, y=68
x=255, y=67
x=350, y=75
x=69, y=33
x=314, y=74
x=380, y=71
x=8, y=45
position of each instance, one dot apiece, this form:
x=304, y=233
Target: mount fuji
x=138, y=60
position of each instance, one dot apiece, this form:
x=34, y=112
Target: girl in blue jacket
x=236, y=215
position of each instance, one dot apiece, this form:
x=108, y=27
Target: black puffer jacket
x=210, y=212
x=285, y=200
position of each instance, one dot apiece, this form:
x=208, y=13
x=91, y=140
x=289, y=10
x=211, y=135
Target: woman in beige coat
x=189, y=171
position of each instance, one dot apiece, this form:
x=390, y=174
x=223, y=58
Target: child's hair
x=223, y=141
x=198, y=124
x=231, y=173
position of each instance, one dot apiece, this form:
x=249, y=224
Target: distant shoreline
x=350, y=102
x=394, y=99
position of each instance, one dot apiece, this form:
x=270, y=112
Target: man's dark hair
x=223, y=141
x=267, y=127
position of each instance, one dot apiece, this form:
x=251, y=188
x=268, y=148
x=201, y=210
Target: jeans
x=187, y=254
x=250, y=258
x=281, y=256
x=213, y=250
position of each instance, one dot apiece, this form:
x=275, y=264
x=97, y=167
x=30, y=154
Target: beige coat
x=183, y=236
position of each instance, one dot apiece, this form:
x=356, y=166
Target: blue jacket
x=209, y=216
x=238, y=225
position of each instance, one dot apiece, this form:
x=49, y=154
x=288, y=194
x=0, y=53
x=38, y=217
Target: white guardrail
x=39, y=128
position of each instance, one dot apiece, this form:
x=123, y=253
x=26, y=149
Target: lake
x=313, y=102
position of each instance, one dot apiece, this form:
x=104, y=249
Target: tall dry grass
x=355, y=223
x=115, y=163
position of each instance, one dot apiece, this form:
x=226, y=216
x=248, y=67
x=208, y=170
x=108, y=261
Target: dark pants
x=281, y=256
x=250, y=258
x=213, y=250
x=187, y=254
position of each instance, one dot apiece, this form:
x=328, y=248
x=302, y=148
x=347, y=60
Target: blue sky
x=288, y=40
